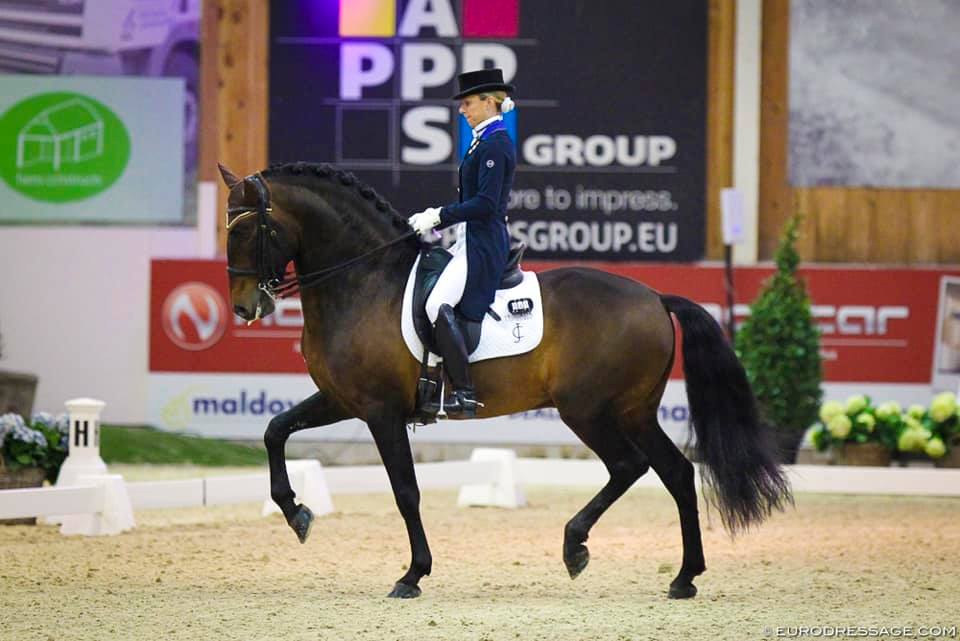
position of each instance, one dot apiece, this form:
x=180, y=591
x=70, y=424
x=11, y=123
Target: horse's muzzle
x=263, y=306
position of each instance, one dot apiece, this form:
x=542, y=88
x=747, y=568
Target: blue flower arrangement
x=40, y=443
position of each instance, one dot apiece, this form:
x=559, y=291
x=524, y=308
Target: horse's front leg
x=315, y=411
x=390, y=433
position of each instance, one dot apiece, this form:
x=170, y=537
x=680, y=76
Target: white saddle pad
x=518, y=331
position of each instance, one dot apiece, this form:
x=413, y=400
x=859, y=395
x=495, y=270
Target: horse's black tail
x=738, y=459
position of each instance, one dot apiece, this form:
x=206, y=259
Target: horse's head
x=259, y=246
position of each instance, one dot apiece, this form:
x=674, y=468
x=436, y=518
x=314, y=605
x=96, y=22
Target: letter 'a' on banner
x=481, y=18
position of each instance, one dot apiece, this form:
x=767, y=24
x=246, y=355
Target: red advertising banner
x=878, y=325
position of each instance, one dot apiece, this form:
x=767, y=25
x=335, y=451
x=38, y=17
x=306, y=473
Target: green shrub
x=779, y=346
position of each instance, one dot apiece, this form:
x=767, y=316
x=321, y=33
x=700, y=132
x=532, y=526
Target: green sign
x=67, y=147
x=77, y=149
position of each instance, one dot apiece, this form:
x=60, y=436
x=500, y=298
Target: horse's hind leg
x=677, y=475
x=623, y=461
x=314, y=411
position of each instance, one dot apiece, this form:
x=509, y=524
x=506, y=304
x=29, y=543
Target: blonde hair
x=498, y=97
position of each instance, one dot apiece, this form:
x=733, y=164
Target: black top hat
x=474, y=82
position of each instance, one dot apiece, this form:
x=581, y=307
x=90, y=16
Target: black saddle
x=432, y=263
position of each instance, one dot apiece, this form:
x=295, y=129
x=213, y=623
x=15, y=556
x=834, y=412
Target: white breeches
x=450, y=285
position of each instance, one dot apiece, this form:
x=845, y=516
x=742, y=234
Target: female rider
x=469, y=281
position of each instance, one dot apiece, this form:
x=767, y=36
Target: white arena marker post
x=310, y=485
x=116, y=511
x=503, y=491
x=83, y=445
x=83, y=456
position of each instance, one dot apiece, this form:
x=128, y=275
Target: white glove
x=424, y=221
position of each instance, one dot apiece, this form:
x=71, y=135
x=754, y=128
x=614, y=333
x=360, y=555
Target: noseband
x=271, y=277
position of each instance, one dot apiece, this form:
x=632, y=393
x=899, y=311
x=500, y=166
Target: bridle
x=270, y=271
x=271, y=276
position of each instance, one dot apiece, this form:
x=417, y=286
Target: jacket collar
x=479, y=129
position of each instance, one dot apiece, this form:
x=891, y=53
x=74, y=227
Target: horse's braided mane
x=329, y=172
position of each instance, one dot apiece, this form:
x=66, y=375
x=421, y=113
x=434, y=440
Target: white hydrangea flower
x=935, y=448
x=867, y=421
x=943, y=406
x=913, y=439
x=888, y=410
x=840, y=426
x=856, y=404
x=830, y=409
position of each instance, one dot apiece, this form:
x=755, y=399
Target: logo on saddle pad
x=520, y=307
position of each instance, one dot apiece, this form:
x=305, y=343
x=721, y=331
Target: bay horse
x=607, y=351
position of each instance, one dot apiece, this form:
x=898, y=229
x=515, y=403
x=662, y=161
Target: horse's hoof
x=682, y=591
x=577, y=562
x=301, y=523
x=404, y=591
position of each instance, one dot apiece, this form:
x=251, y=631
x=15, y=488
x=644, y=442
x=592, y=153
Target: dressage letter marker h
x=83, y=457
x=80, y=431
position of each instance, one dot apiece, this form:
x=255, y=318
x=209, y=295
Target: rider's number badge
x=520, y=307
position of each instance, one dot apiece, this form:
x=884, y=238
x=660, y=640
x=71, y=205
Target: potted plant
x=31, y=452
x=856, y=432
x=779, y=346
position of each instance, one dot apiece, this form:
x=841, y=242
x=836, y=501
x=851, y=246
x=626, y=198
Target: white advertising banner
x=241, y=405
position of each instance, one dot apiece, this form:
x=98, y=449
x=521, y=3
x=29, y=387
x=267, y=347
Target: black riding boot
x=453, y=349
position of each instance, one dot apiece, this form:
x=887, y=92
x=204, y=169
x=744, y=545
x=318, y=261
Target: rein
x=289, y=284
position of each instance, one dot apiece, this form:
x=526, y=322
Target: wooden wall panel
x=923, y=226
x=841, y=224
x=209, y=80
x=241, y=97
x=774, y=200
x=721, y=47
x=946, y=206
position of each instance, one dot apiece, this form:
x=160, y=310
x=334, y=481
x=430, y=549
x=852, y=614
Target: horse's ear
x=229, y=178
x=249, y=190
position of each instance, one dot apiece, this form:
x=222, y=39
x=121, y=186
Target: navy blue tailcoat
x=486, y=175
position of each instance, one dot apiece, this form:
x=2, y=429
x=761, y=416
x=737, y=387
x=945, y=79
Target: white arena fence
x=95, y=505
x=492, y=477
x=87, y=500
